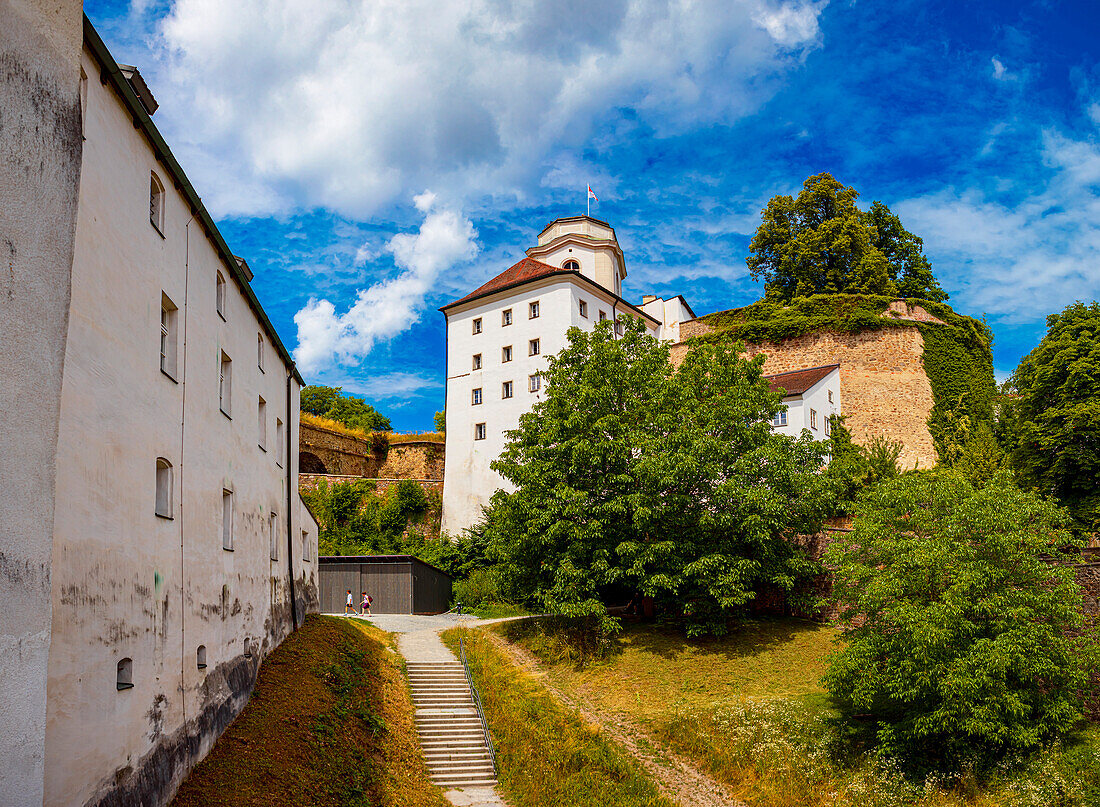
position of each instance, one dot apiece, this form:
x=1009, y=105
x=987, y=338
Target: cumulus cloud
x=1023, y=258
x=345, y=103
x=385, y=309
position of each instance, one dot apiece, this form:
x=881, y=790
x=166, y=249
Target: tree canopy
x=353, y=412
x=631, y=476
x=1055, y=445
x=821, y=243
x=956, y=626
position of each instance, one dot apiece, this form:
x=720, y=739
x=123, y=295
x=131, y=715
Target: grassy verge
x=750, y=710
x=497, y=610
x=547, y=755
x=329, y=723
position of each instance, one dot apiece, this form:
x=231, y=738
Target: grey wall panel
x=336, y=579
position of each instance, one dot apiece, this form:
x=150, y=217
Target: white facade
x=161, y=608
x=810, y=410
x=478, y=412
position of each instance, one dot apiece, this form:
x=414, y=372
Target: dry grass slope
x=329, y=724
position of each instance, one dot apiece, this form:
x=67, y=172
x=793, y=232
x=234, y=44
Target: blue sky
x=375, y=160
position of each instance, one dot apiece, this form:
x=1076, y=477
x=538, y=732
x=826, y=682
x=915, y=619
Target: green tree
x=955, y=624
x=633, y=476
x=353, y=412
x=441, y=421
x=1057, y=413
x=821, y=243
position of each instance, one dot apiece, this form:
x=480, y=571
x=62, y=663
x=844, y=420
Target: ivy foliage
x=958, y=631
x=957, y=358
x=820, y=242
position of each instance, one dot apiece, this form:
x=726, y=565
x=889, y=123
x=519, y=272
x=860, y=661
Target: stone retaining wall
x=327, y=452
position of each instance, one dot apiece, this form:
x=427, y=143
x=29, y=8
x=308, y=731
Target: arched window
x=200, y=657
x=164, y=488
x=571, y=265
x=156, y=203
x=124, y=674
x=260, y=351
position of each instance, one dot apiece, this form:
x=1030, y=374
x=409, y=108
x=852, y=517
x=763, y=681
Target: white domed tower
x=587, y=246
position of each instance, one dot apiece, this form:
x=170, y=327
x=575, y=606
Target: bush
x=956, y=623
x=480, y=587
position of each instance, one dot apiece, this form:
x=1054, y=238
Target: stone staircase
x=448, y=726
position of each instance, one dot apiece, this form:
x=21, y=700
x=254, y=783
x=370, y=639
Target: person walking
x=365, y=607
x=349, y=604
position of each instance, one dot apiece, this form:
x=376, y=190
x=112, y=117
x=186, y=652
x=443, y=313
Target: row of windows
x=534, y=384
x=169, y=333
x=533, y=349
x=506, y=317
x=780, y=419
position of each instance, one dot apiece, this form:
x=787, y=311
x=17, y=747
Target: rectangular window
x=603, y=316
x=156, y=203
x=479, y=431
x=506, y=317
x=475, y=397
x=828, y=429
x=261, y=424
x=506, y=353
x=780, y=419
x=219, y=295
x=273, y=535
x=506, y=389
x=305, y=546
x=260, y=351
x=83, y=102
x=225, y=385
x=280, y=442
x=533, y=310
x=618, y=329
x=584, y=308
x=534, y=382
x=477, y=325
x=533, y=347
x=830, y=396
x=168, y=319
x=813, y=419
x=477, y=361
x=227, y=520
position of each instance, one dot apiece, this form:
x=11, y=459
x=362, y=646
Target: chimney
x=140, y=88
x=648, y=298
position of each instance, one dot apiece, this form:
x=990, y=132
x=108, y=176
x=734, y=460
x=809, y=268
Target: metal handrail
x=477, y=705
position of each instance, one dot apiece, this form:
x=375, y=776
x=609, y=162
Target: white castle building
x=153, y=547
x=499, y=335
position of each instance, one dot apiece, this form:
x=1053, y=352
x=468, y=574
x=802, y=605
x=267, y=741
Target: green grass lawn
x=547, y=755
x=750, y=709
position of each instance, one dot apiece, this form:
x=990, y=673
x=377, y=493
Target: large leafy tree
x=1054, y=434
x=634, y=476
x=353, y=412
x=957, y=628
x=821, y=243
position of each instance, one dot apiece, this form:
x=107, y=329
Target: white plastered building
x=499, y=335
x=150, y=490
x=812, y=398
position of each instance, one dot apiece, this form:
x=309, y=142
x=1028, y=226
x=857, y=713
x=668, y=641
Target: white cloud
x=1000, y=72
x=385, y=309
x=391, y=386
x=1019, y=260
x=346, y=103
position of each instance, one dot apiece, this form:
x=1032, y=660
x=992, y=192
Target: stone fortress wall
x=883, y=386
x=328, y=453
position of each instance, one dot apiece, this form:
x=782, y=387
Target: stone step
x=456, y=782
x=470, y=756
x=453, y=745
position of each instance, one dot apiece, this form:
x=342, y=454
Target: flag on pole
x=591, y=196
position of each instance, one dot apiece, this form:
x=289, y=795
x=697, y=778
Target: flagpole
x=588, y=198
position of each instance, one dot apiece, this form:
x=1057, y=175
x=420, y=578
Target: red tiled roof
x=796, y=382
x=525, y=270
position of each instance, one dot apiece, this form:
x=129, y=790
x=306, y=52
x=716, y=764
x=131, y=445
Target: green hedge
x=957, y=358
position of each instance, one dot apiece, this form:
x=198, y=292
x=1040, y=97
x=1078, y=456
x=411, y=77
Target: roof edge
x=112, y=74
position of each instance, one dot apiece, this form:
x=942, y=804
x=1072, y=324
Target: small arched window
x=220, y=295
x=200, y=657
x=248, y=648
x=164, y=488
x=124, y=674
x=571, y=266
x=260, y=351
x=156, y=203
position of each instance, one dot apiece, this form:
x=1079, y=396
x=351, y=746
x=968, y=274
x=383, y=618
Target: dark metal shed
x=399, y=584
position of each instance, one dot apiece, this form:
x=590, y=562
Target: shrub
x=956, y=623
x=480, y=587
